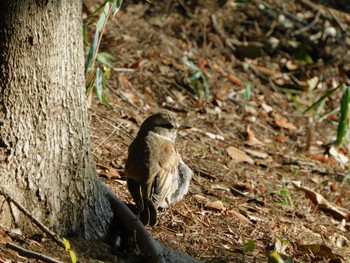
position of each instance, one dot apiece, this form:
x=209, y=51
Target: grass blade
x=344, y=115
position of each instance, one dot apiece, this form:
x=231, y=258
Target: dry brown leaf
x=282, y=122
x=251, y=139
x=319, y=250
x=113, y=172
x=291, y=65
x=281, y=139
x=267, y=71
x=238, y=155
x=4, y=238
x=235, y=80
x=258, y=154
x=124, y=82
x=321, y=158
x=215, y=205
x=323, y=204
x=251, y=110
x=241, y=217
x=218, y=68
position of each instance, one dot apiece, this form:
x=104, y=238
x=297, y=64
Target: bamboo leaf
x=344, y=115
x=326, y=95
x=92, y=51
x=116, y=4
x=99, y=83
x=105, y=59
x=103, y=18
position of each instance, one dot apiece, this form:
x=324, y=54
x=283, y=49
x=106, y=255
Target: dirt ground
x=241, y=73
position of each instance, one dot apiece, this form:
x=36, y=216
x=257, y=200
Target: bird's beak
x=184, y=127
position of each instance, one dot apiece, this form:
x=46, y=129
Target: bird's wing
x=163, y=167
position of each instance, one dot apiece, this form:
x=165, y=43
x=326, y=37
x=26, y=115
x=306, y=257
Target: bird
x=155, y=172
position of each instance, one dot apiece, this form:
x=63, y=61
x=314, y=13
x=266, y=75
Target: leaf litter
x=245, y=151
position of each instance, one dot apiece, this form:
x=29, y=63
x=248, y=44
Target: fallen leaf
x=215, y=205
x=266, y=108
x=238, y=155
x=251, y=110
x=241, y=217
x=261, y=155
x=323, y=204
x=113, y=172
x=291, y=65
x=251, y=139
x=281, y=139
x=312, y=83
x=234, y=80
x=282, y=122
x=215, y=136
x=319, y=250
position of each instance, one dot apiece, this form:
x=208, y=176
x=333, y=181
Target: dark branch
x=151, y=250
x=28, y=253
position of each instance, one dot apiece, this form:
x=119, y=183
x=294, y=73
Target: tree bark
x=46, y=164
x=45, y=157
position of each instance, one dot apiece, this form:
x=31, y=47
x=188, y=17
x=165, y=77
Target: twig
x=336, y=19
x=309, y=26
x=29, y=253
x=124, y=69
x=103, y=141
x=46, y=230
x=222, y=33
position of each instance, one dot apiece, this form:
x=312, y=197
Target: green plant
x=197, y=81
x=247, y=247
x=343, y=123
x=94, y=75
x=285, y=197
x=67, y=246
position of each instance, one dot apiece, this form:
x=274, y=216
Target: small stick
x=29, y=253
x=44, y=228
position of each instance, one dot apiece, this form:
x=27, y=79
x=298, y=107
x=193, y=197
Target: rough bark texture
x=45, y=158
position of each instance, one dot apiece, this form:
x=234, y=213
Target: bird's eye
x=168, y=126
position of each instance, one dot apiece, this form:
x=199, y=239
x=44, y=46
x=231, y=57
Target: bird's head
x=163, y=123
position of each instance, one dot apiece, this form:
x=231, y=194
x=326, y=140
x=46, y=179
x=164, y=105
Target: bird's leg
x=170, y=210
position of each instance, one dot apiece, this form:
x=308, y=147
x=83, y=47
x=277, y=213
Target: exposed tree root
x=151, y=250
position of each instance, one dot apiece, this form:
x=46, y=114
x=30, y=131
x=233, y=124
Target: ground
x=251, y=144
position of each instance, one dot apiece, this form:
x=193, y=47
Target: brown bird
x=156, y=174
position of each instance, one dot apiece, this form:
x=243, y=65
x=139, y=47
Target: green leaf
x=103, y=18
x=73, y=257
x=190, y=64
x=326, y=95
x=93, y=14
x=92, y=52
x=105, y=59
x=274, y=257
x=249, y=246
x=66, y=244
x=116, y=4
x=303, y=57
x=99, y=83
x=248, y=91
x=85, y=36
x=344, y=115
x=206, y=86
x=195, y=76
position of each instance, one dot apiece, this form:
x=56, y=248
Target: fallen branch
x=44, y=228
x=29, y=253
x=151, y=250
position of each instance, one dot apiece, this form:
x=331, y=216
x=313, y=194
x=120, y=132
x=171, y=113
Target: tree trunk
x=46, y=162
